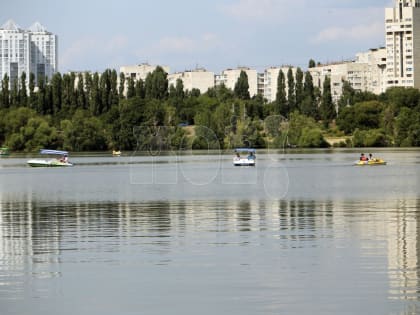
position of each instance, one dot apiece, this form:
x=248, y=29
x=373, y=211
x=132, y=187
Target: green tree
x=131, y=88
x=32, y=95
x=14, y=94
x=308, y=105
x=156, y=84
x=291, y=93
x=345, y=120
x=179, y=89
x=407, y=127
x=95, y=105
x=299, y=88
x=121, y=87
x=347, y=96
x=23, y=95
x=312, y=63
x=5, y=93
x=327, y=108
x=57, y=91
x=41, y=96
x=282, y=107
x=113, y=96
x=80, y=92
x=241, y=89
x=140, y=91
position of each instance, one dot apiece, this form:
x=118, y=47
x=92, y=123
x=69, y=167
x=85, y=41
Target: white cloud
x=359, y=32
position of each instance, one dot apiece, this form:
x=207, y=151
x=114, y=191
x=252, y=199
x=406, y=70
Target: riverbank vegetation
x=85, y=112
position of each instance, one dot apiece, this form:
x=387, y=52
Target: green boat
x=55, y=162
x=4, y=151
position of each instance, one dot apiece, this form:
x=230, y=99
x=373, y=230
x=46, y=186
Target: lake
x=303, y=232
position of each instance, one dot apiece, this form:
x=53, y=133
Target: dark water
x=298, y=234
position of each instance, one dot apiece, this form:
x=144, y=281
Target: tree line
x=105, y=111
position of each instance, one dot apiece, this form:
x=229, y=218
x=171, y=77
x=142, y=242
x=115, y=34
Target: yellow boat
x=370, y=162
x=116, y=153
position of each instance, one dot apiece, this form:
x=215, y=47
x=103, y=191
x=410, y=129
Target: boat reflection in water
x=350, y=255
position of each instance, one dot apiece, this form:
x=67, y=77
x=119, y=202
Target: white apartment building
x=355, y=73
x=271, y=76
x=229, y=78
x=140, y=71
x=30, y=51
x=365, y=74
x=403, y=44
x=376, y=74
x=200, y=79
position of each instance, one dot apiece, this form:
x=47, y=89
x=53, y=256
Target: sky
x=213, y=34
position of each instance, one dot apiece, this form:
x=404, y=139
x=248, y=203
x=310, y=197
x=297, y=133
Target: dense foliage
x=81, y=112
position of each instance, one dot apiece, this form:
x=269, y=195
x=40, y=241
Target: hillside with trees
x=105, y=111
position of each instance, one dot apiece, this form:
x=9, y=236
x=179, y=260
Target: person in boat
x=238, y=156
x=363, y=157
x=64, y=159
x=251, y=156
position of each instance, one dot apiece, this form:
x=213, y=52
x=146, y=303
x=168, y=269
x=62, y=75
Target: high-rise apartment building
x=403, y=44
x=30, y=51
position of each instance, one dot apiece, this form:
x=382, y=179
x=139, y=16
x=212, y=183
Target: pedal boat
x=245, y=161
x=372, y=162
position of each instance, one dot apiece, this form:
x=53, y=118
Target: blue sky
x=215, y=34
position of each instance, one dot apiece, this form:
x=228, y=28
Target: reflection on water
x=210, y=257
x=297, y=234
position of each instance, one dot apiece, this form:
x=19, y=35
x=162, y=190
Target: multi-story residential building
x=140, y=72
x=30, y=51
x=403, y=44
x=355, y=73
x=365, y=74
x=200, y=79
x=229, y=78
x=376, y=74
x=271, y=76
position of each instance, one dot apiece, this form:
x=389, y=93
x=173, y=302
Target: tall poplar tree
x=241, y=89
x=14, y=94
x=281, y=101
x=23, y=95
x=140, y=92
x=299, y=88
x=291, y=94
x=80, y=92
x=32, y=95
x=131, y=89
x=121, y=88
x=5, y=93
x=157, y=85
x=57, y=92
x=309, y=106
x=327, y=107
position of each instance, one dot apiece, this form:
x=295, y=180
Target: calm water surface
x=301, y=233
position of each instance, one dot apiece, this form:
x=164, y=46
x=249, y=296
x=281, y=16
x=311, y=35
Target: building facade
x=403, y=44
x=229, y=78
x=200, y=79
x=271, y=76
x=140, y=72
x=30, y=51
